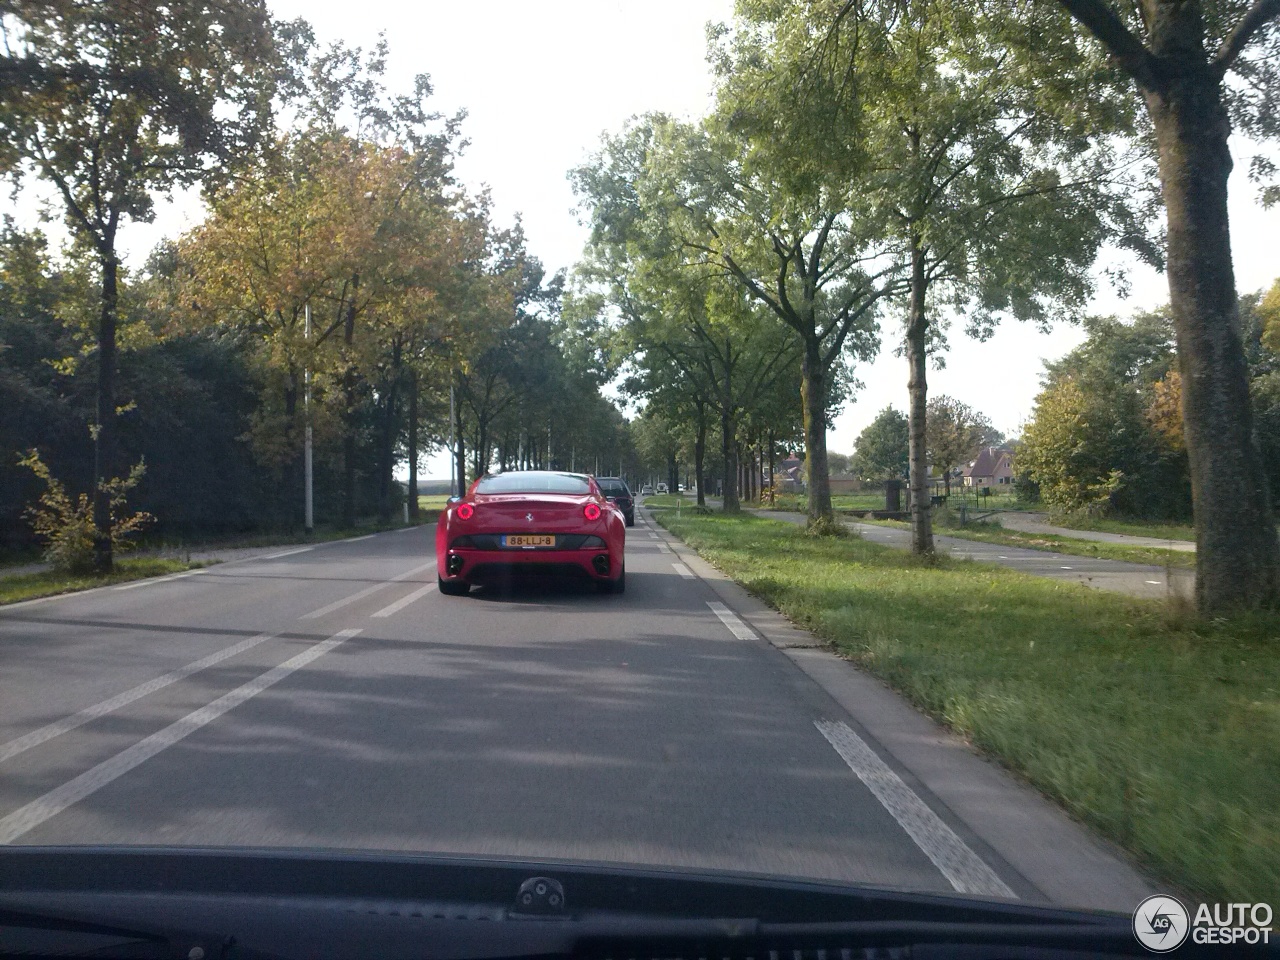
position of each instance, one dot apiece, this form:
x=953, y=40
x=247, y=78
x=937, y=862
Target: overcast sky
x=541, y=83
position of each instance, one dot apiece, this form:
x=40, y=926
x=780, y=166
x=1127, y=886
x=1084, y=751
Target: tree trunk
x=918, y=388
x=104, y=439
x=1237, y=553
x=413, y=446
x=386, y=454
x=349, y=425
x=700, y=455
x=773, y=466
x=673, y=474
x=813, y=387
x=461, y=452
x=729, y=450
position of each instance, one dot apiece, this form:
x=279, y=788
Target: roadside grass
x=435, y=502
x=1160, y=731
x=670, y=500
x=992, y=533
x=30, y=586
x=875, y=500
x=166, y=550
x=1132, y=528
x=321, y=533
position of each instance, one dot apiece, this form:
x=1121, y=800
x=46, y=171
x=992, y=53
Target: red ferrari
x=531, y=521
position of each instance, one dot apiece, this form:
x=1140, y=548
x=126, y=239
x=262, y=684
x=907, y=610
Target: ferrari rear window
x=531, y=482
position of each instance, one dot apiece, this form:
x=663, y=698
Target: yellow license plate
x=529, y=540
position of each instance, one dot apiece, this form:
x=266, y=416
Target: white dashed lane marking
x=964, y=869
x=730, y=620
x=684, y=571
x=286, y=553
x=361, y=594
x=404, y=601
x=27, y=818
x=56, y=729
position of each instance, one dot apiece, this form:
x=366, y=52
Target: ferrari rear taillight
x=591, y=511
x=466, y=511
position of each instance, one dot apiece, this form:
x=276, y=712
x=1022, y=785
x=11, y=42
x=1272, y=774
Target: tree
x=114, y=102
x=808, y=255
x=956, y=433
x=970, y=174
x=686, y=330
x=882, y=449
x=1179, y=57
x=1103, y=435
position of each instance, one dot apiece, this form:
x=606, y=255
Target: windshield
x=952, y=565
x=613, y=488
x=532, y=482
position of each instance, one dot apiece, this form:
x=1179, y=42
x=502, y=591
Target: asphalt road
x=330, y=696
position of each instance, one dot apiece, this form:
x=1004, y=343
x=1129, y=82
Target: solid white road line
x=730, y=620
x=685, y=571
x=286, y=553
x=963, y=868
x=1156, y=582
x=367, y=536
x=27, y=818
x=404, y=601
x=48, y=732
x=361, y=594
x=147, y=583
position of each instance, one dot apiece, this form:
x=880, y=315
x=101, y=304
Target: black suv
x=618, y=491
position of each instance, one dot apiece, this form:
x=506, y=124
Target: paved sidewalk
x=1035, y=523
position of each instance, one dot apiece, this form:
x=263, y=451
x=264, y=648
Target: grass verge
x=1159, y=731
x=1132, y=528
x=322, y=533
x=992, y=533
x=30, y=586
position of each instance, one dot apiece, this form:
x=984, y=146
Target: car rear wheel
x=614, y=586
x=452, y=588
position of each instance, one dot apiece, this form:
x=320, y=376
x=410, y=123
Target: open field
x=1160, y=731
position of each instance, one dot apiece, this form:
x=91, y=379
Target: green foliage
x=881, y=450
x=954, y=433
x=66, y=524
x=1103, y=433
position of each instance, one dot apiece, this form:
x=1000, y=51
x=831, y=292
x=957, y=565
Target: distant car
x=530, y=521
x=618, y=491
x=662, y=488
x=646, y=490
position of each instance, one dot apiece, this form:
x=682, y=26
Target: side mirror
x=612, y=499
x=453, y=500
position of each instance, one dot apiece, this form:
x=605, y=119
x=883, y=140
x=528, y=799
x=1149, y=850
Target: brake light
x=591, y=511
x=466, y=511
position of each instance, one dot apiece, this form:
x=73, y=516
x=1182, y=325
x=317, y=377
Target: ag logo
x=1161, y=924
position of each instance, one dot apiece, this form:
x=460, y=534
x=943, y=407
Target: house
x=992, y=468
x=790, y=475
